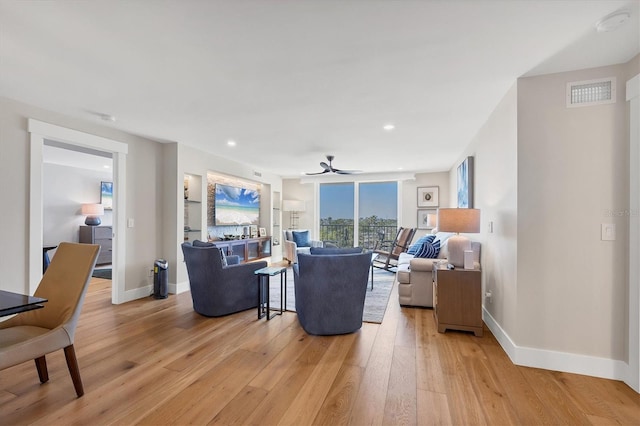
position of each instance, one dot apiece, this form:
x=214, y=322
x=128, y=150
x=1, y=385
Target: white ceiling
x=292, y=80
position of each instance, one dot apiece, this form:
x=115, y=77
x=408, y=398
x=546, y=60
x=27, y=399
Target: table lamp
x=93, y=213
x=458, y=220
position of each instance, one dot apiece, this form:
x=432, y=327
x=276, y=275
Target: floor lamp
x=458, y=220
x=294, y=207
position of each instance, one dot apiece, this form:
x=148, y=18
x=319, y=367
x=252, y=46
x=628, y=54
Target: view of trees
x=370, y=230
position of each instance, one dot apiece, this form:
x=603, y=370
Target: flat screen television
x=236, y=206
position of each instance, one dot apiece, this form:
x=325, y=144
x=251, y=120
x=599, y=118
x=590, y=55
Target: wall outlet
x=489, y=296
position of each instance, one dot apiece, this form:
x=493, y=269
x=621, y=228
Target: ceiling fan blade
x=319, y=173
x=346, y=172
x=326, y=166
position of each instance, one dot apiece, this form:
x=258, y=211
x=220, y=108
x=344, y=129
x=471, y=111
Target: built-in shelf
x=192, y=207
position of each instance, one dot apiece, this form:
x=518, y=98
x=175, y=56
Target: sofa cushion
x=404, y=258
x=404, y=274
x=429, y=249
x=301, y=238
x=335, y=250
x=413, y=249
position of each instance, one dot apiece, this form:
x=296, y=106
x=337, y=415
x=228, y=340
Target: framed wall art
x=106, y=195
x=465, y=184
x=428, y=196
x=427, y=218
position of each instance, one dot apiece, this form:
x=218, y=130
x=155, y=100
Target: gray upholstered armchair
x=218, y=289
x=330, y=291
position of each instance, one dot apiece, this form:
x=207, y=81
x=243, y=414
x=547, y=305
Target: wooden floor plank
x=158, y=362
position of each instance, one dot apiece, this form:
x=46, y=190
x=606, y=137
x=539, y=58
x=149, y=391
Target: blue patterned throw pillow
x=429, y=249
x=413, y=249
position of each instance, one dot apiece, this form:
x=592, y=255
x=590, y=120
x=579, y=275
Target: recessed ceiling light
x=106, y=166
x=613, y=21
x=231, y=143
x=389, y=127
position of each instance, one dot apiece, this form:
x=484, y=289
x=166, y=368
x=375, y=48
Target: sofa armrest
x=422, y=264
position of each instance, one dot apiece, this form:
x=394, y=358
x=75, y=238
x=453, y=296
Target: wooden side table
x=457, y=299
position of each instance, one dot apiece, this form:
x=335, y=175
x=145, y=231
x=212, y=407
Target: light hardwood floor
x=157, y=362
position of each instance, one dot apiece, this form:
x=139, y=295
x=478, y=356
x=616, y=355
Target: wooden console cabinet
x=101, y=235
x=457, y=299
x=248, y=249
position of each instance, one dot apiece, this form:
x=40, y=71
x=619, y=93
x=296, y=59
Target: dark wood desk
x=14, y=303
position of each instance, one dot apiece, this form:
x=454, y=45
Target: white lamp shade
x=92, y=210
x=293, y=206
x=459, y=220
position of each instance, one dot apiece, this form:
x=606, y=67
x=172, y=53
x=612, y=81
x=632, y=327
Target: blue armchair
x=218, y=290
x=330, y=291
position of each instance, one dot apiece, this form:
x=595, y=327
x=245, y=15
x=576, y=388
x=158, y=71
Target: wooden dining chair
x=33, y=334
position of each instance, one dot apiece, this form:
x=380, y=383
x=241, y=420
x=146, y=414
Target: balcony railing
x=368, y=235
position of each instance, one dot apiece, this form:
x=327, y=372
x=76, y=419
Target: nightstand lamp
x=93, y=213
x=458, y=220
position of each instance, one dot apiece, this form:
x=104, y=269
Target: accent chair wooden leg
x=72, y=363
x=41, y=366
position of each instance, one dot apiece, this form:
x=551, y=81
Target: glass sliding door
x=337, y=213
x=378, y=213
x=362, y=212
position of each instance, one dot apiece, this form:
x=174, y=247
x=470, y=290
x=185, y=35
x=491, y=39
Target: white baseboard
x=137, y=293
x=179, y=287
x=553, y=360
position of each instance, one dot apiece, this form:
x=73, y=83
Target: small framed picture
x=263, y=232
x=427, y=218
x=428, y=196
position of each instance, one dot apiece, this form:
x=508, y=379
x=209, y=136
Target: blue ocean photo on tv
x=236, y=206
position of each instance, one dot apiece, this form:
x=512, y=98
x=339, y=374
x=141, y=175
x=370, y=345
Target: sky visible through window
x=379, y=199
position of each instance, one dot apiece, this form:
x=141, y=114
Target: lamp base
x=457, y=244
x=92, y=221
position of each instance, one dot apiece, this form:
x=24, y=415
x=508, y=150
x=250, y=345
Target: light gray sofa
x=415, y=287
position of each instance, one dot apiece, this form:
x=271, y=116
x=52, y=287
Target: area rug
x=102, y=273
x=375, y=303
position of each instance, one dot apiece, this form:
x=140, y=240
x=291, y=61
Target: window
x=337, y=213
x=376, y=212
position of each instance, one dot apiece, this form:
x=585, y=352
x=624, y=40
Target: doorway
x=45, y=134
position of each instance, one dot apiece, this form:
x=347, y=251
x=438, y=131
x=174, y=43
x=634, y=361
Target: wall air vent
x=591, y=92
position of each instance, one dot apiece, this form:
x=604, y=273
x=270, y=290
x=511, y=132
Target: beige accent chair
x=33, y=334
x=291, y=249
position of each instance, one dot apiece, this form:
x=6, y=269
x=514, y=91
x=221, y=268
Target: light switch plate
x=608, y=231
x=130, y=223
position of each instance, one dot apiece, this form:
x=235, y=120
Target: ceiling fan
x=328, y=168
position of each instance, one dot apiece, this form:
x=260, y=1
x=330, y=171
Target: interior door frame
x=633, y=98
x=39, y=131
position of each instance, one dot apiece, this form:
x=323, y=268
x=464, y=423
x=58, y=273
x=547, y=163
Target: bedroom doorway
x=44, y=133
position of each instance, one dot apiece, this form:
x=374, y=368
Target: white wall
x=65, y=189
x=143, y=203
x=494, y=149
x=573, y=171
